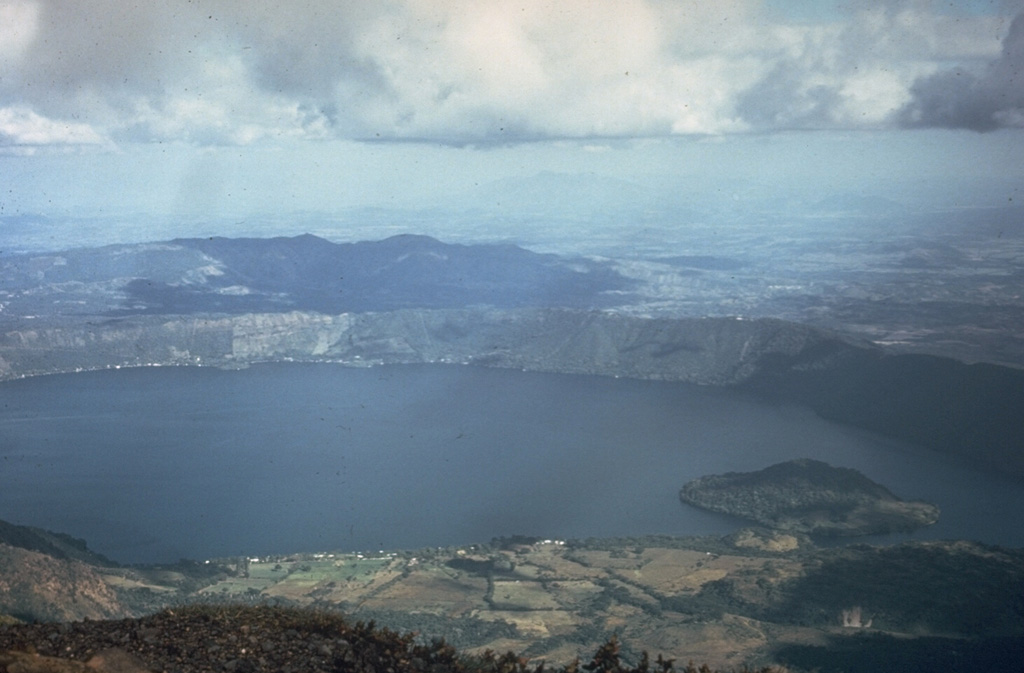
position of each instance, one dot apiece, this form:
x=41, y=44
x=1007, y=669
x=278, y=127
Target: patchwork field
x=753, y=598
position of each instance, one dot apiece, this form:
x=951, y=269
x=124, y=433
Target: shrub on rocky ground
x=246, y=639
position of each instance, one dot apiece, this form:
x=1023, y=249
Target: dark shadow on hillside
x=875, y=652
x=966, y=589
x=968, y=409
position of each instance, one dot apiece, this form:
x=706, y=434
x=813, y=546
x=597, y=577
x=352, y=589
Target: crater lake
x=156, y=464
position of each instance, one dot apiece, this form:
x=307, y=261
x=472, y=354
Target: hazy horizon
x=130, y=123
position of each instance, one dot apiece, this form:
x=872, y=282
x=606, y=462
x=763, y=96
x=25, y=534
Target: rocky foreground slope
x=264, y=639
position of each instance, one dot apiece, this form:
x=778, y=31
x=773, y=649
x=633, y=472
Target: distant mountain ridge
x=250, y=275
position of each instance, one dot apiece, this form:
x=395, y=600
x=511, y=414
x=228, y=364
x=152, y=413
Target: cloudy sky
x=247, y=107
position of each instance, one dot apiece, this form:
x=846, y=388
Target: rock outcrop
x=36, y=586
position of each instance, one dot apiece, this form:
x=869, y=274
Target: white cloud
x=471, y=71
x=19, y=20
x=22, y=130
x=873, y=95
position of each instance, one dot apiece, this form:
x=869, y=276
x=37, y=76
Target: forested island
x=810, y=497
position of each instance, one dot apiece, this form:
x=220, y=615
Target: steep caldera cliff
x=412, y=299
x=970, y=410
x=717, y=351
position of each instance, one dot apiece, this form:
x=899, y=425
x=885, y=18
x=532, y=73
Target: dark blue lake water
x=162, y=463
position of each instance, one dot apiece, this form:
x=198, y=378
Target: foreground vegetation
x=252, y=639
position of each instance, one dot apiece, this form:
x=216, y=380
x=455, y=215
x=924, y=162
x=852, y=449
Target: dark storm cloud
x=783, y=100
x=959, y=98
x=99, y=49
